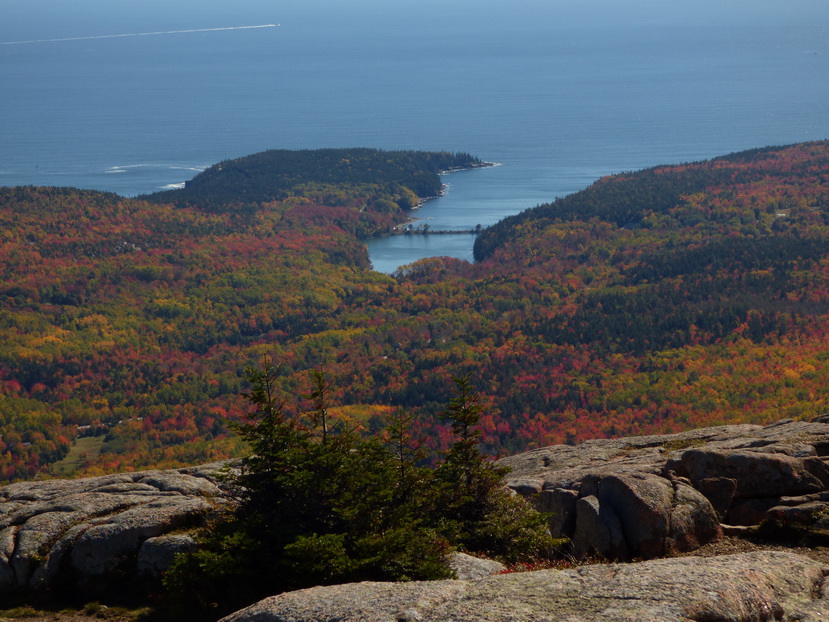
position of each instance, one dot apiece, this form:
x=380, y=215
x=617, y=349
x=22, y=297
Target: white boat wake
x=139, y=34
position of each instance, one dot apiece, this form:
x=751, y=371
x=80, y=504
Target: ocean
x=132, y=96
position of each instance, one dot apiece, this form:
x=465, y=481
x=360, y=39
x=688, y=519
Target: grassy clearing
x=86, y=448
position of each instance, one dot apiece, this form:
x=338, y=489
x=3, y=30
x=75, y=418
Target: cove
x=479, y=196
x=472, y=197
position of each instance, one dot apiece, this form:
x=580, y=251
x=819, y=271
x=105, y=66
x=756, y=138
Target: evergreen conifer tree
x=317, y=504
x=479, y=514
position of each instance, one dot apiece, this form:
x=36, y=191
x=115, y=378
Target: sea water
x=139, y=95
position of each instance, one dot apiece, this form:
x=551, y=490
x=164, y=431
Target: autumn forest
x=651, y=301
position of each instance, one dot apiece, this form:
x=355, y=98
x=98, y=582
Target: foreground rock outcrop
x=92, y=534
x=631, y=498
x=649, y=496
x=751, y=586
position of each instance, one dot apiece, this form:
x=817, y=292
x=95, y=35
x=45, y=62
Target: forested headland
x=652, y=301
x=382, y=185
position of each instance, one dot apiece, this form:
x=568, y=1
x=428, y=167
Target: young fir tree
x=479, y=514
x=411, y=479
x=319, y=417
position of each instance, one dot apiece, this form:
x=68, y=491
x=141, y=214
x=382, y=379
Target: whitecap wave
x=178, y=186
x=124, y=168
x=198, y=169
x=142, y=165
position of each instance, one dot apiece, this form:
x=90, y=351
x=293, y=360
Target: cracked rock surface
x=649, y=496
x=751, y=586
x=89, y=533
